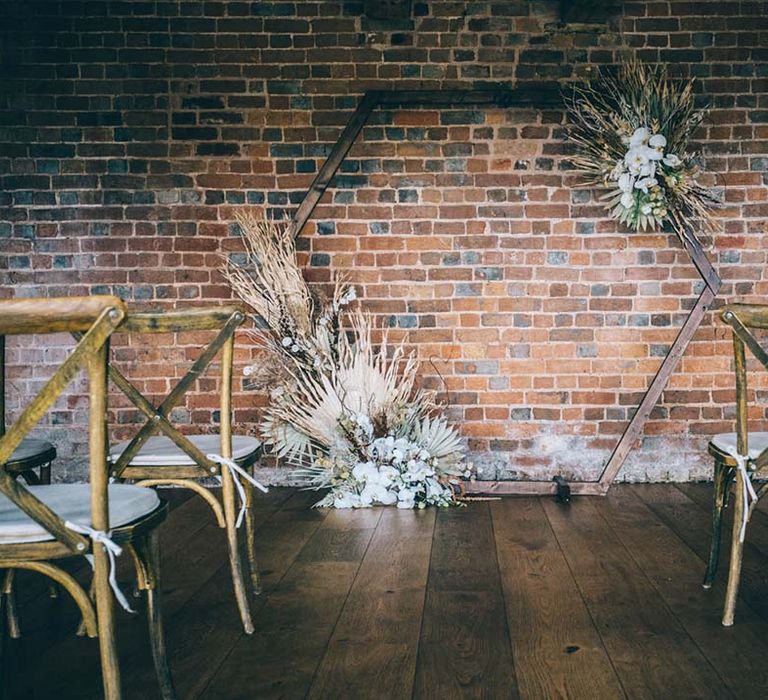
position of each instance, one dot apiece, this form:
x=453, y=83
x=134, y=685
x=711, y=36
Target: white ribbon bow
x=235, y=469
x=748, y=494
x=113, y=550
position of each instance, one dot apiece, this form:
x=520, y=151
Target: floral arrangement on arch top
x=632, y=129
x=344, y=411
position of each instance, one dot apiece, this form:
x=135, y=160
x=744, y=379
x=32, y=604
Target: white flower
x=347, y=500
x=287, y=341
x=627, y=200
x=646, y=208
x=626, y=182
x=248, y=371
x=645, y=183
x=672, y=160
x=657, y=141
x=376, y=493
x=635, y=159
x=365, y=471
x=364, y=423
x=406, y=498
x=640, y=137
x=295, y=348
x=434, y=488
x=652, y=154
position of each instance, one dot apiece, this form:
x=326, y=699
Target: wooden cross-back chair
x=739, y=456
x=32, y=453
x=159, y=454
x=41, y=524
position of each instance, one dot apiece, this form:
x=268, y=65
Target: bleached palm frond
x=442, y=442
x=271, y=282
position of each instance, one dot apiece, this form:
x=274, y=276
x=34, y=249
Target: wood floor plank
x=559, y=651
x=692, y=523
x=674, y=569
x=298, y=618
x=465, y=649
x=204, y=630
x=650, y=650
x=372, y=652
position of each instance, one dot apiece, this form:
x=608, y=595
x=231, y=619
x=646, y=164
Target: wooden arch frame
x=537, y=97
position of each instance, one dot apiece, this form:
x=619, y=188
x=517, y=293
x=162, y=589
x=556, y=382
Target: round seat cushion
x=72, y=502
x=161, y=451
x=31, y=453
x=726, y=442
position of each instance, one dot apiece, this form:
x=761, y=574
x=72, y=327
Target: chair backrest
x=96, y=318
x=225, y=320
x=743, y=319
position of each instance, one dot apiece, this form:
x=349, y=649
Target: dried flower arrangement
x=632, y=129
x=344, y=411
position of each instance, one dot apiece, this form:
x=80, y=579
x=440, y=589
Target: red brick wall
x=130, y=131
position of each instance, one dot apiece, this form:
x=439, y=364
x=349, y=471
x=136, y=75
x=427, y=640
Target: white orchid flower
x=365, y=471
x=657, y=141
x=434, y=488
x=652, y=154
x=635, y=159
x=406, y=498
x=626, y=182
x=639, y=137
x=627, y=200
x=672, y=160
x=347, y=500
x=645, y=183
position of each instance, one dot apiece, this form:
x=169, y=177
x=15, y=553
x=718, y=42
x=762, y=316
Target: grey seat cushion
x=72, y=502
x=161, y=451
x=726, y=442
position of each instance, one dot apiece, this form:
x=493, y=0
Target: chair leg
x=737, y=550
x=235, y=564
x=11, y=610
x=722, y=479
x=105, y=614
x=250, y=537
x=81, y=630
x=148, y=551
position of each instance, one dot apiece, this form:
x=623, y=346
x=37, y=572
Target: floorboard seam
x=583, y=599
x=341, y=610
x=656, y=588
x=262, y=599
x=503, y=597
x=424, y=605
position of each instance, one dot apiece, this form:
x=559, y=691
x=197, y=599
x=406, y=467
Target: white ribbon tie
x=748, y=494
x=236, y=471
x=113, y=550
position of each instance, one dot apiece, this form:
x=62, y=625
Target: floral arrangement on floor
x=632, y=129
x=344, y=411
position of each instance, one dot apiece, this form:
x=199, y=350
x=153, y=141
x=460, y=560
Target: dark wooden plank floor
x=510, y=598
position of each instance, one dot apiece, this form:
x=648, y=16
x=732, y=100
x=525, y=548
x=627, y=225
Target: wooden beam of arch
x=533, y=96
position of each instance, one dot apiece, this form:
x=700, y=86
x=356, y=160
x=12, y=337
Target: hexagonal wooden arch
x=539, y=97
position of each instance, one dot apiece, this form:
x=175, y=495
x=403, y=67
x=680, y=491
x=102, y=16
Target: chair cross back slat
x=90, y=349
x=157, y=418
